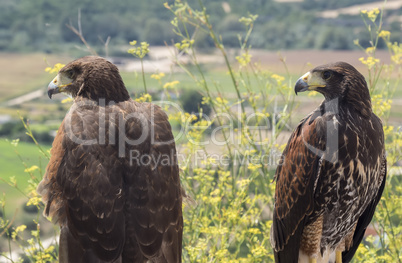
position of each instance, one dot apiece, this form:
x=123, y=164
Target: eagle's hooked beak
x=309, y=81
x=56, y=86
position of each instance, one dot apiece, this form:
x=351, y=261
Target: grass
x=11, y=167
x=215, y=79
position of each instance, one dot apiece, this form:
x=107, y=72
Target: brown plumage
x=112, y=182
x=332, y=173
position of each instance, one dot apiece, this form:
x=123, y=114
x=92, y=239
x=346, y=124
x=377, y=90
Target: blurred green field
x=21, y=73
x=27, y=74
x=13, y=160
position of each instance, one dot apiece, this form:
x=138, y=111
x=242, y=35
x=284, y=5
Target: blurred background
x=288, y=38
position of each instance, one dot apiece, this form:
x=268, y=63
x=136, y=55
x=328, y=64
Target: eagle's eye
x=326, y=75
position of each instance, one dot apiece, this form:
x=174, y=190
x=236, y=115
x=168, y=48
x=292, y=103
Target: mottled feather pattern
x=332, y=173
x=349, y=183
x=294, y=194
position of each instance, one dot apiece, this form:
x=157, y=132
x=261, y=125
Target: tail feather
x=290, y=253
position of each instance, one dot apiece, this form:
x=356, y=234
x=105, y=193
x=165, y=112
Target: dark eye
x=326, y=75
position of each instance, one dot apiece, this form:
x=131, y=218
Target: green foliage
x=27, y=25
x=12, y=155
x=388, y=217
x=11, y=128
x=15, y=129
x=228, y=175
x=191, y=101
x=17, y=237
x=231, y=190
x=140, y=52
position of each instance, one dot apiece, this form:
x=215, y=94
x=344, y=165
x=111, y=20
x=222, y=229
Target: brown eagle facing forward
x=112, y=183
x=332, y=172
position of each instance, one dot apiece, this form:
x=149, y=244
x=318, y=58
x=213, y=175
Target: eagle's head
x=90, y=77
x=338, y=80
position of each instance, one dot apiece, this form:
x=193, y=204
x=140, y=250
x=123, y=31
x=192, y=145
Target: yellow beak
x=309, y=81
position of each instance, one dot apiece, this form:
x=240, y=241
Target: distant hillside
x=27, y=25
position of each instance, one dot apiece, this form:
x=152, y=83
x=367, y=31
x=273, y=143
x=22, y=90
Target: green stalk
x=143, y=76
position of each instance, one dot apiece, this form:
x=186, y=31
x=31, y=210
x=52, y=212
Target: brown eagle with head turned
x=112, y=183
x=332, y=173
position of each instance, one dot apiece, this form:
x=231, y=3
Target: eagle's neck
x=354, y=94
x=360, y=100
x=360, y=103
x=111, y=90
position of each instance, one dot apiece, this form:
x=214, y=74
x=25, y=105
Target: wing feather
x=296, y=181
x=155, y=210
x=366, y=217
x=91, y=178
x=83, y=182
x=48, y=188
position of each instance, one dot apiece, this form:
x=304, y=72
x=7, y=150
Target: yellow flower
x=145, y=46
x=384, y=34
x=380, y=105
x=370, y=61
x=171, y=84
x=268, y=224
x=370, y=50
x=243, y=183
x=56, y=68
x=372, y=14
x=254, y=231
x=158, y=76
x=209, y=160
x=396, y=49
x=144, y=98
x=259, y=251
x=244, y=59
x=278, y=78
x=221, y=101
x=222, y=253
x=31, y=169
x=34, y=201
x=140, y=51
x=253, y=167
x=19, y=229
x=216, y=192
x=388, y=129
x=230, y=214
x=184, y=44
